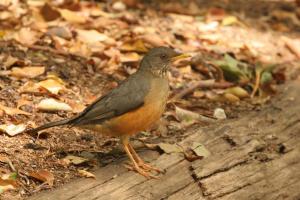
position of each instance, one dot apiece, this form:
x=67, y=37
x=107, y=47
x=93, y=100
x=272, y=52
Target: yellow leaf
x=86, y=174
x=51, y=85
x=91, y=36
x=229, y=20
x=237, y=91
x=137, y=46
x=53, y=105
x=12, y=129
x=27, y=72
x=129, y=57
x=13, y=111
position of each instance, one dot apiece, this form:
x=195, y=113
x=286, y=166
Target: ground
x=85, y=67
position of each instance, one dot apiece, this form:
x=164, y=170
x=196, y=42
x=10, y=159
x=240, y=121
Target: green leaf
x=233, y=69
x=13, y=176
x=266, y=77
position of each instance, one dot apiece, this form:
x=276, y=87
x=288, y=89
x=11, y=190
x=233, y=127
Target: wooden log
x=256, y=156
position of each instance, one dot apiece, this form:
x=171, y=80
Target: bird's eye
x=163, y=56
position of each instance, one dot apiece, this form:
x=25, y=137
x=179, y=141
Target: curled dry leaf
x=27, y=72
x=129, y=57
x=200, y=150
x=25, y=36
x=219, y=113
x=91, y=36
x=9, y=62
x=29, y=87
x=188, y=117
x=8, y=182
x=293, y=45
x=230, y=20
x=13, y=111
x=12, y=129
x=52, y=85
x=86, y=174
x=44, y=176
x=71, y=16
x=237, y=91
x=77, y=107
x=76, y=160
x=231, y=98
x=137, y=46
x=53, y=105
x=119, y=6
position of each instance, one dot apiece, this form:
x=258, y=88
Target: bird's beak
x=180, y=56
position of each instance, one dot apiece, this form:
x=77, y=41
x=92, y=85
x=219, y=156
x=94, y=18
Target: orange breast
x=141, y=118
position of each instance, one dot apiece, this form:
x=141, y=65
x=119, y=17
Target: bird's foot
x=148, y=167
x=139, y=169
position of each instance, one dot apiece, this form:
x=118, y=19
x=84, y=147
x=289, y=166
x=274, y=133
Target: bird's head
x=158, y=60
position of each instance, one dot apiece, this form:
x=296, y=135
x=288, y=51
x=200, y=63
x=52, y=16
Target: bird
x=133, y=106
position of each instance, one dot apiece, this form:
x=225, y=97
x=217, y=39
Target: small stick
x=202, y=84
x=257, y=80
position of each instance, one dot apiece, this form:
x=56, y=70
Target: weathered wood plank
x=127, y=180
x=280, y=180
x=254, y=157
x=223, y=161
x=103, y=175
x=191, y=191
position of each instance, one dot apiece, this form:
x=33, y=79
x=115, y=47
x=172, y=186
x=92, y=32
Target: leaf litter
x=51, y=63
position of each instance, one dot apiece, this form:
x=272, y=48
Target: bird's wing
x=128, y=96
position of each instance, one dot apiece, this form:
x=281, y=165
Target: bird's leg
x=135, y=165
x=140, y=161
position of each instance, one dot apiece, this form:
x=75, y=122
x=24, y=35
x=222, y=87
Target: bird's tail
x=49, y=125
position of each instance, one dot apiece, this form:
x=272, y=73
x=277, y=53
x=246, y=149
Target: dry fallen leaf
x=25, y=36
x=44, y=176
x=188, y=117
x=91, y=36
x=53, y=86
x=23, y=101
x=76, y=160
x=12, y=129
x=129, y=57
x=29, y=87
x=10, y=60
x=27, y=72
x=13, y=111
x=71, y=16
x=230, y=20
x=86, y=174
x=200, y=150
x=237, y=91
x=7, y=184
x=77, y=107
x=53, y=105
x=231, y=97
x=137, y=46
x=219, y=113
x=293, y=45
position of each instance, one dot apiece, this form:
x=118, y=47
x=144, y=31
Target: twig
x=256, y=86
x=202, y=84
